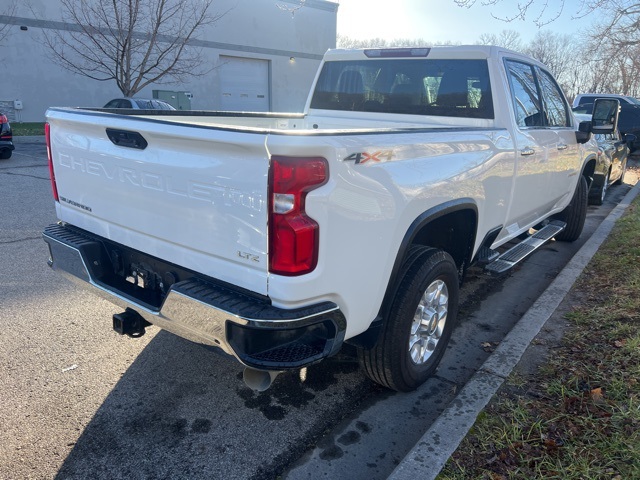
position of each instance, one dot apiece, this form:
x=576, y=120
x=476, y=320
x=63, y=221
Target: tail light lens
x=293, y=235
x=47, y=136
x=5, y=128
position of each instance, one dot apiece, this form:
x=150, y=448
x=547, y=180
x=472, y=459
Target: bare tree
x=542, y=11
x=506, y=38
x=623, y=16
x=557, y=51
x=616, y=69
x=348, y=42
x=7, y=12
x=621, y=24
x=613, y=44
x=291, y=9
x=561, y=54
x=344, y=41
x=134, y=42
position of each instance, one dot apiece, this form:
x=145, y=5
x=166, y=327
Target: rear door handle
x=562, y=146
x=527, y=151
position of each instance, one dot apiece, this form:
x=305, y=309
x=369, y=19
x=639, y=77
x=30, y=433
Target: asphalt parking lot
x=79, y=401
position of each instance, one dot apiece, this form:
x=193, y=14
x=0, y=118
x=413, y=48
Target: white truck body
x=198, y=194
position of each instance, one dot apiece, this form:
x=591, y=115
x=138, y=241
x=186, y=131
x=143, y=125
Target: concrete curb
x=431, y=452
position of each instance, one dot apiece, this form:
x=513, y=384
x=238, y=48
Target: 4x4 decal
x=375, y=157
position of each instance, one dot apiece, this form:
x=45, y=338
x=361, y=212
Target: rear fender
x=452, y=227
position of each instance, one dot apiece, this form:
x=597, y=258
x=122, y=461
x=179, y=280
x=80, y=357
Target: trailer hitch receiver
x=130, y=323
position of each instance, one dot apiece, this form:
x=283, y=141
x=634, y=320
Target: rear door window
x=144, y=104
x=556, y=108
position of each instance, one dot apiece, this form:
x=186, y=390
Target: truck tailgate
x=193, y=196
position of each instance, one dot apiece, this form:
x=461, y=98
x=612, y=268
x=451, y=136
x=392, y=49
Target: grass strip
x=578, y=417
x=27, y=128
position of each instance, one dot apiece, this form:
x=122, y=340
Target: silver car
x=138, y=104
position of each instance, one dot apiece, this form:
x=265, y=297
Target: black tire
x=575, y=213
x=5, y=154
x=620, y=180
x=598, y=195
x=390, y=361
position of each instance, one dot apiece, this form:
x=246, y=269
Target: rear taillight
x=47, y=136
x=293, y=236
x=5, y=128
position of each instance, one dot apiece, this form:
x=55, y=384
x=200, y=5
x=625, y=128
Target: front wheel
x=419, y=324
x=620, y=180
x=601, y=192
x=575, y=213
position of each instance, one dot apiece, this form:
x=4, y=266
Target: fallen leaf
x=489, y=346
x=596, y=395
x=552, y=444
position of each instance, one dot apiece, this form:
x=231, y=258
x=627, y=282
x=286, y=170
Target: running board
x=519, y=252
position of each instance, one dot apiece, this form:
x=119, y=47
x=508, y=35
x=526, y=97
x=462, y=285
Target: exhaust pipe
x=259, y=380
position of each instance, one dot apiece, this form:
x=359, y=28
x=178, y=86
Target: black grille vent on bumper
x=288, y=354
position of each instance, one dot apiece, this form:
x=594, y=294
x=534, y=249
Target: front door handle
x=527, y=151
x=562, y=146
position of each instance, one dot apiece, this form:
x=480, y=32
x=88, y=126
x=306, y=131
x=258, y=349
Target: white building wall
x=293, y=40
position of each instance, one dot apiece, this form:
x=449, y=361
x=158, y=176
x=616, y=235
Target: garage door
x=244, y=84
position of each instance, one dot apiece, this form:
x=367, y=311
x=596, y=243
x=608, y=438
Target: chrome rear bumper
x=201, y=309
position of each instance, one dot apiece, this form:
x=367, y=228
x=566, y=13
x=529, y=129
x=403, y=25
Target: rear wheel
x=417, y=329
x=575, y=213
x=5, y=154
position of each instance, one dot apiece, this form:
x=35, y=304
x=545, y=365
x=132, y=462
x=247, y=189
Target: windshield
x=454, y=88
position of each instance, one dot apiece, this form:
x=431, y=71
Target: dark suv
x=6, y=138
x=629, y=120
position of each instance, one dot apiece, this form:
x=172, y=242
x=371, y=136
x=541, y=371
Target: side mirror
x=583, y=134
x=605, y=115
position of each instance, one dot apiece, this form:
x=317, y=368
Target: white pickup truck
x=277, y=237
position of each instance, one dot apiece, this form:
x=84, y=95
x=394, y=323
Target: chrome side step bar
x=519, y=252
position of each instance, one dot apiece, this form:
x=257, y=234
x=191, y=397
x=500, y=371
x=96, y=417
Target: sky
x=439, y=21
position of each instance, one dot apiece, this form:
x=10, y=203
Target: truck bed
x=196, y=195
x=316, y=122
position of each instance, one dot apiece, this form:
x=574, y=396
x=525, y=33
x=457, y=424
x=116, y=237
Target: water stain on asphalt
x=363, y=427
x=296, y=388
x=332, y=453
x=349, y=438
x=434, y=391
x=179, y=427
x=201, y=425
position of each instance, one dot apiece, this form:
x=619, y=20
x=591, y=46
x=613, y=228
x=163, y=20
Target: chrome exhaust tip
x=259, y=380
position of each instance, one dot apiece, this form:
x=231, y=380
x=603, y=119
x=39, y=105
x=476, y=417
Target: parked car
x=6, y=138
x=629, y=121
x=583, y=98
x=139, y=104
x=611, y=163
